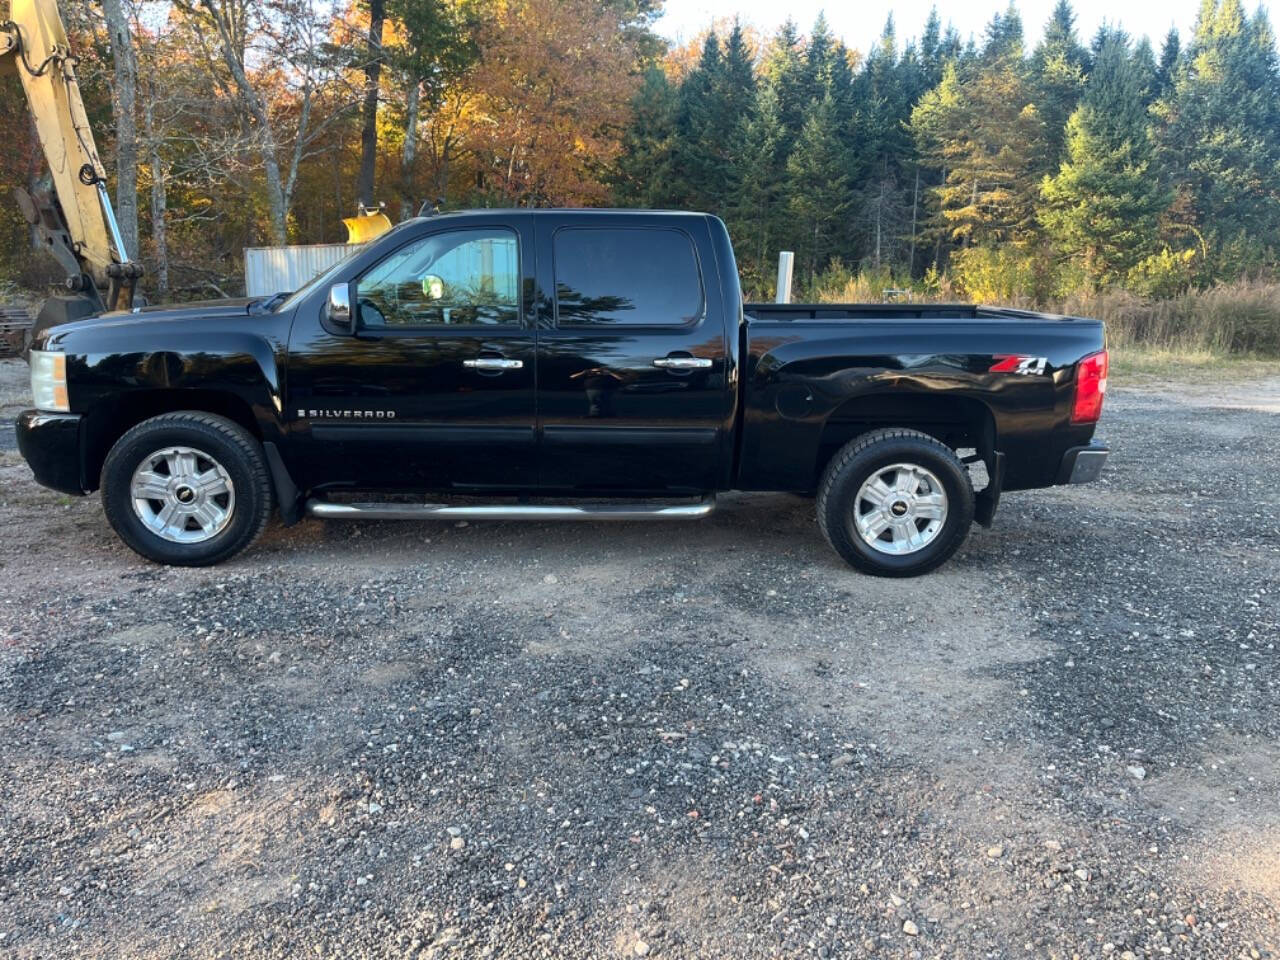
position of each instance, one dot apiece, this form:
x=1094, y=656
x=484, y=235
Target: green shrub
x=996, y=275
x=1165, y=274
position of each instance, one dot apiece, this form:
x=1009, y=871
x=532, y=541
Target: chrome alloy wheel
x=183, y=495
x=900, y=509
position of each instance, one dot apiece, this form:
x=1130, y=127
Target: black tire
x=856, y=462
x=220, y=439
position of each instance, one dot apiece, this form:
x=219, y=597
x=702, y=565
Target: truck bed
x=894, y=311
x=818, y=375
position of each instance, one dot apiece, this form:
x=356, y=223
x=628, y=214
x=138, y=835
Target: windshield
x=326, y=278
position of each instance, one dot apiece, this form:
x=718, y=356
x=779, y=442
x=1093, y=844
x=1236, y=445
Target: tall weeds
x=1239, y=317
x=1242, y=317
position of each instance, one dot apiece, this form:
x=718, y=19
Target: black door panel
x=615, y=414
x=437, y=391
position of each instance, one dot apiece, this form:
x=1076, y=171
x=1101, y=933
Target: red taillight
x=1091, y=387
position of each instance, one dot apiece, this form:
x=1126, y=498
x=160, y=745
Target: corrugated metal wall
x=271, y=270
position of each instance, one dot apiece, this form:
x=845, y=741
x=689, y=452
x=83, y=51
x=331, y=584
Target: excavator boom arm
x=81, y=227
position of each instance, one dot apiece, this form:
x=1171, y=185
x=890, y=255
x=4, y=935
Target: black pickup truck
x=558, y=364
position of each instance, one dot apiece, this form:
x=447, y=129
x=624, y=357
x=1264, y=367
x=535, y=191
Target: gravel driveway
x=704, y=740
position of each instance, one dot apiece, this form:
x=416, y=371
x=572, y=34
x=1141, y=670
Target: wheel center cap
x=185, y=494
x=899, y=508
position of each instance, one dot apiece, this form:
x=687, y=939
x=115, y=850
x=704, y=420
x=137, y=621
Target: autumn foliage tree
x=984, y=130
x=552, y=102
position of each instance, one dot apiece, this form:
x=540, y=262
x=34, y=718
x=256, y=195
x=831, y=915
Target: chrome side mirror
x=338, y=309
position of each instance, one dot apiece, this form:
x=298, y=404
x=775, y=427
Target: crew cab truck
x=558, y=364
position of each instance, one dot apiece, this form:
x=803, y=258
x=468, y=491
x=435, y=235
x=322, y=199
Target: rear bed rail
x=896, y=311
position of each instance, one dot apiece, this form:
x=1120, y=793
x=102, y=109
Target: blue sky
x=859, y=24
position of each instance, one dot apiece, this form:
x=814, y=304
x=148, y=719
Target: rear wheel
x=188, y=488
x=895, y=503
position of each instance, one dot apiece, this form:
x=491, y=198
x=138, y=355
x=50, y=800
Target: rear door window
x=627, y=276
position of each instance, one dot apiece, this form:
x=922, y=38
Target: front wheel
x=189, y=489
x=895, y=503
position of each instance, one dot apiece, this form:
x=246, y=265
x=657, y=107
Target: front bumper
x=50, y=443
x=1082, y=464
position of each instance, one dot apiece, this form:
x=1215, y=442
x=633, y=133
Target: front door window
x=460, y=278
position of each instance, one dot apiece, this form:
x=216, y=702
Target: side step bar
x=515, y=511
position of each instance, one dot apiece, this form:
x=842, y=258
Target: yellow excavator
x=74, y=221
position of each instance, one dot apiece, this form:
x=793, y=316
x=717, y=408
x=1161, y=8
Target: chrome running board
x=329, y=510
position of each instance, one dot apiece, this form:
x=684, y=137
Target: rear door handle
x=493, y=363
x=682, y=363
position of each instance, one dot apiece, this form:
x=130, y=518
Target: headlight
x=49, y=381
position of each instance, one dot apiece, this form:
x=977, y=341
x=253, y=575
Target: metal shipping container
x=271, y=270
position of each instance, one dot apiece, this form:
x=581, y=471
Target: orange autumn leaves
x=553, y=86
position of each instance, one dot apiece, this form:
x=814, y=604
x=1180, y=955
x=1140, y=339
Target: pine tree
x=1060, y=35
x=819, y=186
x=817, y=59
x=932, y=54
x=736, y=86
x=842, y=87
x=1058, y=69
x=1170, y=59
x=921, y=74
x=1103, y=208
x=758, y=218
x=884, y=147
x=1144, y=62
x=694, y=167
x=840, y=82
x=922, y=62
x=784, y=70
x=644, y=170
x=952, y=49
x=733, y=102
x=1004, y=36
x=715, y=98
x=1220, y=133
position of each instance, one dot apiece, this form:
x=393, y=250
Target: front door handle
x=682, y=363
x=493, y=363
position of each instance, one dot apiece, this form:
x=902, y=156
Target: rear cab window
x=627, y=276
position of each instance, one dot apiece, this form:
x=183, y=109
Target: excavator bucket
x=365, y=227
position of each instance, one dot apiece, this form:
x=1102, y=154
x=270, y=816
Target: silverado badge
x=346, y=414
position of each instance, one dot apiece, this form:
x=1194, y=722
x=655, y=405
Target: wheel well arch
x=957, y=421
x=108, y=422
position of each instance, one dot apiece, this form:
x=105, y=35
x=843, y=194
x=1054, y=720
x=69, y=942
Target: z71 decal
x=1027, y=366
